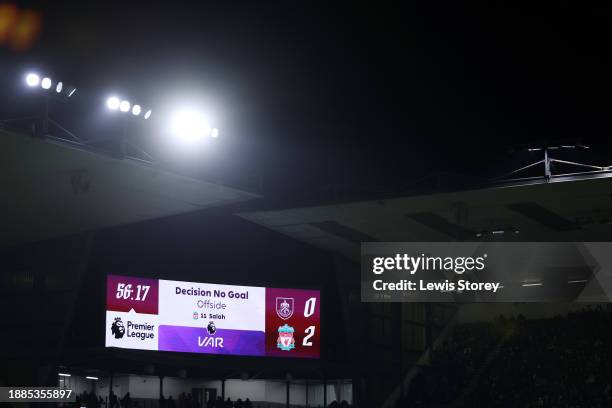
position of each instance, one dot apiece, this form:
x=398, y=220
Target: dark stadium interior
x=338, y=124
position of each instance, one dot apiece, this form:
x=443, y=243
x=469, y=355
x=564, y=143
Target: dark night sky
x=365, y=97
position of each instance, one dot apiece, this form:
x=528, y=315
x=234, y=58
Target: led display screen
x=164, y=315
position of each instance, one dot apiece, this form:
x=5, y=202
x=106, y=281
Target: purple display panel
x=223, y=341
x=124, y=293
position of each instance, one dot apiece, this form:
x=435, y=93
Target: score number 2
x=124, y=291
x=309, y=309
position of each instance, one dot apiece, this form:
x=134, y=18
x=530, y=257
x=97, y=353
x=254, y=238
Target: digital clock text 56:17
x=126, y=291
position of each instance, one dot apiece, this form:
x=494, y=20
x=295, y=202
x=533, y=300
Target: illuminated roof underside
x=571, y=210
x=51, y=190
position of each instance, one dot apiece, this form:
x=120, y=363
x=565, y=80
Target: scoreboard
x=165, y=315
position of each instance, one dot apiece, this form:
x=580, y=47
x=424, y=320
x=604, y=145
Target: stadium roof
x=566, y=209
x=51, y=189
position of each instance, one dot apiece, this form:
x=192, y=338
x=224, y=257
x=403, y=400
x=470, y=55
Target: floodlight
x=46, y=83
x=136, y=109
x=215, y=132
x=112, y=103
x=189, y=124
x=124, y=106
x=148, y=114
x=32, y=80
x=59, y=87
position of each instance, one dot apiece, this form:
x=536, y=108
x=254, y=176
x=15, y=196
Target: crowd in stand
x=451, y=365
x=185, y=400
x=560, y=362
x=89, y=400
x=557, y=362
x=228, y=403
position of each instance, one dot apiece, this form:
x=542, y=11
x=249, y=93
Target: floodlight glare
x=148, y=114
x=124, y=106
x=189, y=125
x=32, y=80
x=136, y=109
x=112, y=103
x=46, y=83
x=207, y=129
x=214, y=132
x=59, y=87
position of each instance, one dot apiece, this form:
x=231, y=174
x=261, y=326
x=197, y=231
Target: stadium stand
x=562, y=361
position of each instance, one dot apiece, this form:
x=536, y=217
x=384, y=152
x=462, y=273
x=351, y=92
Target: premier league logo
x=285, y=339
x=284, y=307
x=117, y=328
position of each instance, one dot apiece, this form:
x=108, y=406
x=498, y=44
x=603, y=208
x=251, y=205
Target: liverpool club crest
x=285, y=339
x=284, y=307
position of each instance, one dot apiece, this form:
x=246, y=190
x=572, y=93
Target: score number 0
x=309, y=309
x=124, y=291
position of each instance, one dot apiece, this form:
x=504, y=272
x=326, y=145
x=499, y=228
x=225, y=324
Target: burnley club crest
x=284, y=307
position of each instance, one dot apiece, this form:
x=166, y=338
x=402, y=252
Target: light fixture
x=32, y=80
x=124, y=106
x=498, y=231
x=112, y=103
x=64, y=375
x=89, y=377
x=532, y=284
x=189, y=125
